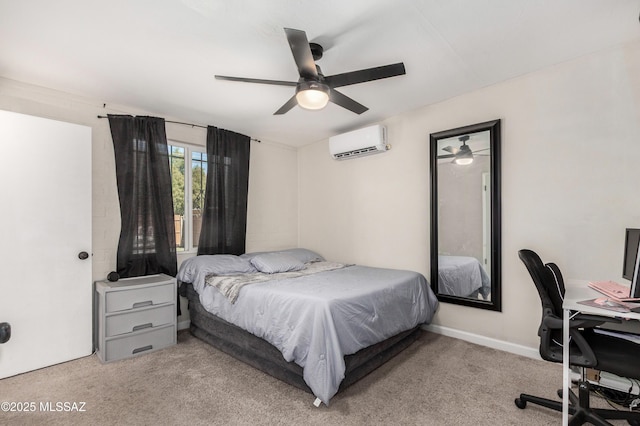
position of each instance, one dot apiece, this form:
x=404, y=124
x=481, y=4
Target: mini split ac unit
x=358, y=143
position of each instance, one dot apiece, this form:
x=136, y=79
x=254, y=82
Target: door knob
x=83, y=255
x=5, y=332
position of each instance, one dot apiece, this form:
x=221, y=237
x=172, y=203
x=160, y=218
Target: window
x=188, y=192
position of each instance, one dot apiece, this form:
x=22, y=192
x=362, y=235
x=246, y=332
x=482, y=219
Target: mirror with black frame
x=465, y=215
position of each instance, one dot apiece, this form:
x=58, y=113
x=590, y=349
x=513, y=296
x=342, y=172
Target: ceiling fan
x=462, y=155
x=313, y=89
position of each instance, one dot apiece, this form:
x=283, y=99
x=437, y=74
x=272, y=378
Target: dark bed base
x=262, y=355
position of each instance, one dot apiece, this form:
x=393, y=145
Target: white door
x=45, y=217
x=486, y=222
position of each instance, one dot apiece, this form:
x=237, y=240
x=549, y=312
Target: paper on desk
x=620, y=335
x=609, y=304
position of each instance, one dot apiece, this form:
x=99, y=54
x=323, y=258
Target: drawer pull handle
x=141, y=326
x=142, y=349
x=141, y=304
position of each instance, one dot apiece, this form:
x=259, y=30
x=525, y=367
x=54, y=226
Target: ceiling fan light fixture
x=464, y=157
x=312, y=95
x=463, y=161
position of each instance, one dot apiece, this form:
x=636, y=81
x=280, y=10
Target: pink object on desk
x=607, y=303
x=612, y=289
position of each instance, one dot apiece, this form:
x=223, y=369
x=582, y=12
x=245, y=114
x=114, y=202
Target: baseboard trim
x=458, y=334
x=484, y=341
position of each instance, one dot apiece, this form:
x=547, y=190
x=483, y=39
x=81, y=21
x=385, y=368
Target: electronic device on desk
x=631, y=244
x=630, y=271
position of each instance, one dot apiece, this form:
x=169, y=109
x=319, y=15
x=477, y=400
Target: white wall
x=460, y=215
x=272, y=204
x=571, y=146
x=272, y=211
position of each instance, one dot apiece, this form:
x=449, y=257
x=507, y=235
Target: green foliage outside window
x=179, y=158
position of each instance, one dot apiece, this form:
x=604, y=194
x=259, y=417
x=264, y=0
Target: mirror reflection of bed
x=463, y=276
x=464, y=226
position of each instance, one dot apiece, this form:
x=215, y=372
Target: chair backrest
x=558, y=283
x=550, y=286
x=547, y=278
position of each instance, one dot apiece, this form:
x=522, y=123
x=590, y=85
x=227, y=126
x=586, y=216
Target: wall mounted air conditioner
x=366, y=141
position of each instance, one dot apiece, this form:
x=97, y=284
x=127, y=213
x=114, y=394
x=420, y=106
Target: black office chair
x=588, y=349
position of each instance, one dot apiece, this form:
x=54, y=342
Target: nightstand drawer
x=138, y=320
x=134, y=316
x=139, y=343
x=139, y=297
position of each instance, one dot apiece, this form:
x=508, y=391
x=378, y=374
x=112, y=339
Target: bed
x=462, y=276
x=315, y=324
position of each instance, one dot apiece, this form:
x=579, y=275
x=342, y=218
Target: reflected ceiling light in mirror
x=463, y=161
x=464, y=156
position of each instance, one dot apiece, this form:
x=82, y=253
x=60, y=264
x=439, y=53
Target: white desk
x=575, y=293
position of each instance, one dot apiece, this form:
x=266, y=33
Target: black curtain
x=224, y=220
x=147, y=238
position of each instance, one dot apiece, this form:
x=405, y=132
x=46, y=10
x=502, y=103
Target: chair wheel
x=560, y=393
x=520, y=403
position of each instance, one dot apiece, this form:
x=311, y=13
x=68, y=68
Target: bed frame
x=260, y=354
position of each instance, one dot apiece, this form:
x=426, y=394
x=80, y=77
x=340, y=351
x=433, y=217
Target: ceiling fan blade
x=287, y=106
x=451, y=149
x=302, y=53
x=256, y=80
x=445, y=156
x=479, y=150
x=346, y=102
x=369, y=74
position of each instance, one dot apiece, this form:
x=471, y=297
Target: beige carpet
x=436, y=381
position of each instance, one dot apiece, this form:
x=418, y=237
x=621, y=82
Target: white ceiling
x=161, y=55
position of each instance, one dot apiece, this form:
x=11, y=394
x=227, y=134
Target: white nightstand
x=135, y=316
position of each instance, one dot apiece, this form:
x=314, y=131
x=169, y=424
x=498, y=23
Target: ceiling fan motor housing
x=316, y=51
x=312, y=85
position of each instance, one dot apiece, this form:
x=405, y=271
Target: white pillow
x=219, y=264
x=302, y=254
x=271, y=263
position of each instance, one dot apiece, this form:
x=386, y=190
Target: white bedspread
x=316, y=320
x=230, y=285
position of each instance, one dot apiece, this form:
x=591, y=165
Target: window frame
x=187, y=230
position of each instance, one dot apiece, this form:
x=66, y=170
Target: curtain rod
x=187, y=124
